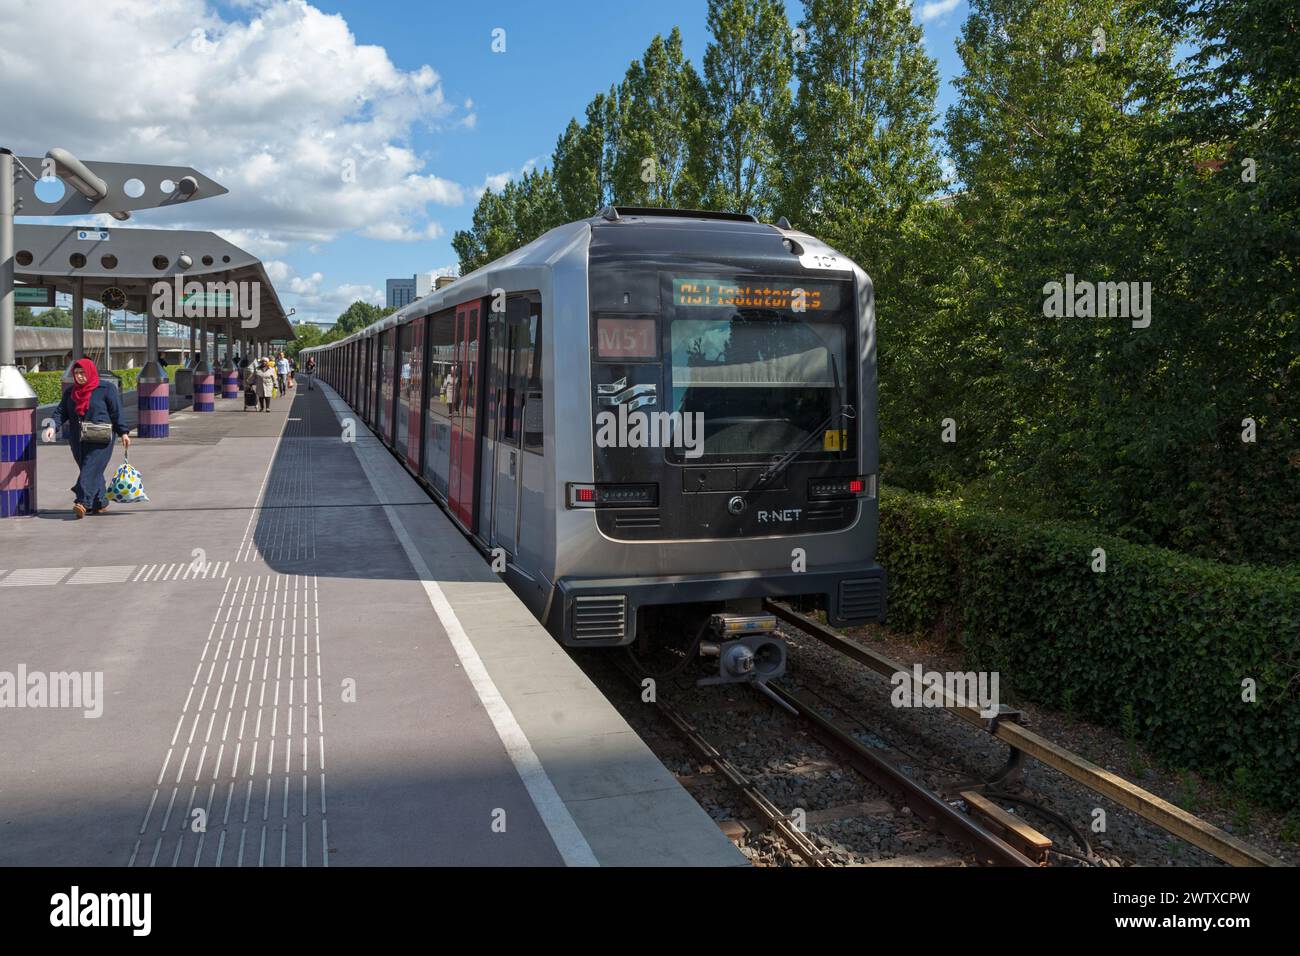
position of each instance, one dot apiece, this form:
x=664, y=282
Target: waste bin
x=183, y=383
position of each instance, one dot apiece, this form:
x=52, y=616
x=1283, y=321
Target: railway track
x=864, y=797
x=773, y=773
x=1024, y=742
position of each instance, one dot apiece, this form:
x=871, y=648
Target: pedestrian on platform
x=264, y=385
x=85, y=403
x=311, y=371
x=282, y=368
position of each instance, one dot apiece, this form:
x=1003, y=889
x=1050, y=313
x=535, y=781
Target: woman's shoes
x=79, y=510
x=101, y=509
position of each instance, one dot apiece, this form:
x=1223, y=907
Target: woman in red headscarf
x=87, y=401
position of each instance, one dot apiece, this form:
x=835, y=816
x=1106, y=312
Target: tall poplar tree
x=748, y=66
x=862, y=156
x=652, y=114
x=582, y=175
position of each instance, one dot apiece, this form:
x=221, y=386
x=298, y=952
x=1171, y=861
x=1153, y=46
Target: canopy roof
x=133, y=260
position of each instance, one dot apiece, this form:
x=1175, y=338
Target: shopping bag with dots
x=126, y=485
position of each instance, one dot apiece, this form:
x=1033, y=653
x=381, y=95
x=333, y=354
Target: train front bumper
x=602, y=612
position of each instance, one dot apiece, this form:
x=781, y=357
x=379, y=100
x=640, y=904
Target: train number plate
x=819, y=260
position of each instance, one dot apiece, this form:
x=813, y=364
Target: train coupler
x=746, y=649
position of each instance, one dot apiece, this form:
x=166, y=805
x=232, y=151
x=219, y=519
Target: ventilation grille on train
x=600, y=617
x=825, y=513
x=862, y=599
x=648, y=519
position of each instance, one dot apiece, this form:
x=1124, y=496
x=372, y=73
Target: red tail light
x=862, y=487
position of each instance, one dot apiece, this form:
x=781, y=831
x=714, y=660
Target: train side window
x=509, y=410
x=442, y=351
x=531, y=360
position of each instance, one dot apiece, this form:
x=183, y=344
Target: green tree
x=306, y=335
x=862, y=156
x=523, y=210
x=859, y=169
x=1235, y=232
x=582, y=179
x=748, y=67
x=1073, y=135
x=357, y=316
x=649, y=124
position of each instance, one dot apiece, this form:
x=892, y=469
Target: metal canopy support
x=153, y=391
x=78, y=328
x=203, y=377
x=229, y=376
x=108, y=349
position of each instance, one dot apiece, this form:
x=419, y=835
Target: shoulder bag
x=96, y=433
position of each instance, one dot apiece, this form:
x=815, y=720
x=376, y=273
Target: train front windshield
x=767, y=362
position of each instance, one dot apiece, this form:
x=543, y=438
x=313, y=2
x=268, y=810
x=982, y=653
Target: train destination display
x=785, y=294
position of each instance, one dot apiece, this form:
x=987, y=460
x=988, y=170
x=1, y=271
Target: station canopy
x=133, y=260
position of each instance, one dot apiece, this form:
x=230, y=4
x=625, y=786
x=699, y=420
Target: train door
x=413, y=389
x=366, y=379
x=500, y=491
x=463, y=399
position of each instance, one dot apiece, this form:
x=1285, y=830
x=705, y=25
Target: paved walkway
x=281, y=686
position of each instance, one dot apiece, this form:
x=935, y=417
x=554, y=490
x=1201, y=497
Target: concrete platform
x=302, y=663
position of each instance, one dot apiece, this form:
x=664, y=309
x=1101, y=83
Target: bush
x=48, y=385
x=1171, y=636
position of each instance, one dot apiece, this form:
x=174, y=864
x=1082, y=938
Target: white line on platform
x=570, y=842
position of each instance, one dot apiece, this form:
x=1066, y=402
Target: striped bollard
x=152, y=401
x=205, y=386
x=230, y=383
x=17, y=463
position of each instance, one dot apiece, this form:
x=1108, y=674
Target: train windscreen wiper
x=841, y=411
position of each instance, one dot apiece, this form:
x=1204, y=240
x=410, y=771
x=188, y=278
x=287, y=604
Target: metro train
x=657, y=417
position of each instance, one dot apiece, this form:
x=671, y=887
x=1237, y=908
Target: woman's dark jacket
x=104, y=407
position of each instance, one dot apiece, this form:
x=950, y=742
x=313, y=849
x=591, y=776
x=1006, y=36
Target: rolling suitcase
x=250, y=399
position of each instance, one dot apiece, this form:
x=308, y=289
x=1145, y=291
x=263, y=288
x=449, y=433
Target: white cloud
x=307, y=128
x=497, y=181
x=935, y=9
x=399, y=232
x=309, y=286
x=276, y=270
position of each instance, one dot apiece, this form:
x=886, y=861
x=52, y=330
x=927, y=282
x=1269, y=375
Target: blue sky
x=558, y=55
x=273, y=98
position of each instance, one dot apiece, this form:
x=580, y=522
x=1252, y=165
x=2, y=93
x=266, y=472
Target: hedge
x=1173, y=637
x=48, y=385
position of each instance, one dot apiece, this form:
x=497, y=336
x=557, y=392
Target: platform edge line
x=564, y=830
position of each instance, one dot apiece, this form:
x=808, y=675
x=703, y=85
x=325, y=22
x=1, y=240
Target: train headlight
x=612, y=496
x=861, y=487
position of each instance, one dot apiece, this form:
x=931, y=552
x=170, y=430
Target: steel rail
x=780, y=821
x=930, y=808
x=1162, y=813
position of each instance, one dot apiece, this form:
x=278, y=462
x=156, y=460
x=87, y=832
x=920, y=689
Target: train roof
x=615, y=230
